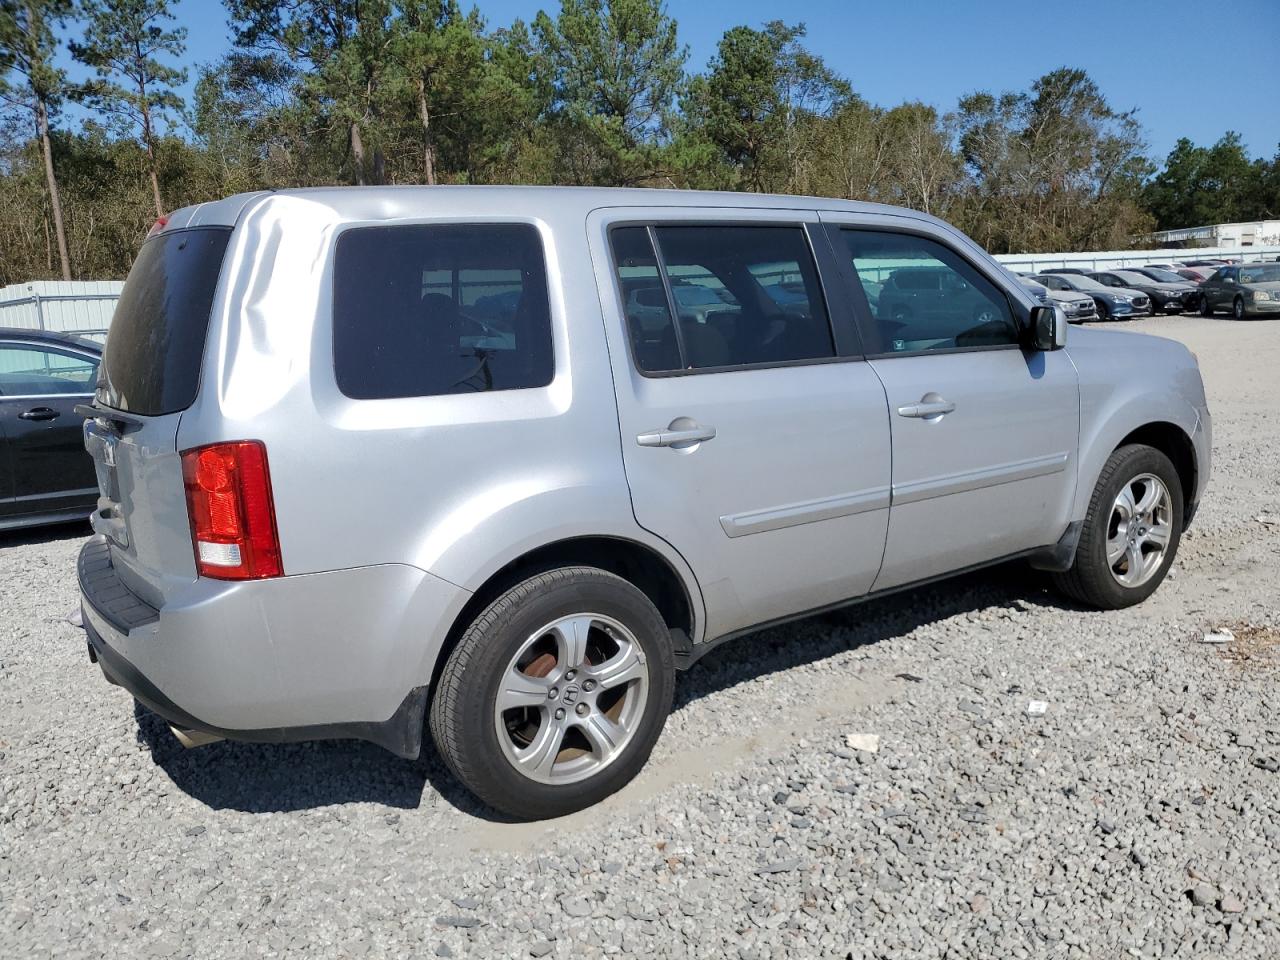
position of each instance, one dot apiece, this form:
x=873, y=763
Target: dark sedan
x=1166, y=295
x=45, y=474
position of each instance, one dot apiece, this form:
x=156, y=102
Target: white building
x=1233, y=236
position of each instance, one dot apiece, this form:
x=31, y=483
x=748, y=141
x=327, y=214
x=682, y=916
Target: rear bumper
x=343, y=654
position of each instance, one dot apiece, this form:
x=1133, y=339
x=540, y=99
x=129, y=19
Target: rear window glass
x=156, y=341
x=428, y=309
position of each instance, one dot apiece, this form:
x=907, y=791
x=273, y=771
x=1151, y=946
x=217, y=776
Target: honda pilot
x=498, y=462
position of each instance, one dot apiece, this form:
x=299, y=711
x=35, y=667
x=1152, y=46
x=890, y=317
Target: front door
x=755, y=439
x=39, y=389
x=985, y=433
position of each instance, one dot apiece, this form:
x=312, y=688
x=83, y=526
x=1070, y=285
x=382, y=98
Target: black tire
x=1206, y=308
x=462, y=708
x=1104, y=312
x=1237, y=308
x=1090, y=581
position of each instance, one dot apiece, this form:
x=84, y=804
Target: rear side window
x=744, y=295
x=423, y=310
x=28, y=370
x=156, y=341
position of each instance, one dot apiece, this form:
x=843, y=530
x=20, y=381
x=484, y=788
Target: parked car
x=1078, y=271
x=45, y=474
x=331, y=507
x=1204, y=263
x=1110, y=302
x=1038, y=290
x=1166, y=296
x=1247, y=290
x=1196, y=275
x=1077, y=307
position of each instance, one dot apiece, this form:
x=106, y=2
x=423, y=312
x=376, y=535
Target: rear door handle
x=926, y=409
x=671, y=438
x=39, y=413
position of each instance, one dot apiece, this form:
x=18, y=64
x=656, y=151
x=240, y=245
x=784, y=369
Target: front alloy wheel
x=1130, y=533
x=1237, y=308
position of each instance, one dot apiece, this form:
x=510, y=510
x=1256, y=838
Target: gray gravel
x=1139, y=815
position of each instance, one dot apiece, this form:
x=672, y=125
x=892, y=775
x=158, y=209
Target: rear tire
x=546, y=645
x=1094, y=579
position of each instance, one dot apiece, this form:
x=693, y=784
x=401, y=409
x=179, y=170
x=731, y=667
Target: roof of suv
x=358, y=201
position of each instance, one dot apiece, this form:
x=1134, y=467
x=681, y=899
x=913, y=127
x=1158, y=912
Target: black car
x=1166, y=296
x=45, y=474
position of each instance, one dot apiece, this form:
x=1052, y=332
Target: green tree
x=618, y=68
x=127, y=42
x=341, y=49
x=1204, y=185
x=1055, y=168
x=30, y=81
x=755, y=102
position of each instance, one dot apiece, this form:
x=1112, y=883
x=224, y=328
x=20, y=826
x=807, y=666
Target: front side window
x=744, y=295
x=422, y=310
x=27, y=370
x=924, y=296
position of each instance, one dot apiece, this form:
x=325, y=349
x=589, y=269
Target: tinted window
x=27, y=370
x=153, y=352
x=422, y=310
x=644, y=298
x=924, y=296
x=745, y=295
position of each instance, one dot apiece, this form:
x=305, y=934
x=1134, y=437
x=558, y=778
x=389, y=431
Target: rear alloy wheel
x=1237, y=308
x=1131, y=531
x=555, y=696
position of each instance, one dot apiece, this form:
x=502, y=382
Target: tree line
x=319, y=92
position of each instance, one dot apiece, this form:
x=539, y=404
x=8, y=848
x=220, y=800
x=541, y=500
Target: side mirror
x=1048, y=328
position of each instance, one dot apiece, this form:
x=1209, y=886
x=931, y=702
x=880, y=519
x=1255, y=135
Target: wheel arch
x=646, y=568
x=1174, y=442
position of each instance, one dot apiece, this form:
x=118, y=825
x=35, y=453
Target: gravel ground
x=1138, y=815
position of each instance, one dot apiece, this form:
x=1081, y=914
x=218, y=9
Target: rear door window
x=745, y=296
x=425, y=310
x=27, y=370
x=156, y=341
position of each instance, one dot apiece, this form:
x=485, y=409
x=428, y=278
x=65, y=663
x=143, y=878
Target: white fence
x=81, y=307
x=1117, y=259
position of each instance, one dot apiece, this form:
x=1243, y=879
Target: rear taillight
x=160, y=224
x=233, y=520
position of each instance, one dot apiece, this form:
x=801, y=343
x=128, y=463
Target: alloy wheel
x=1139, y=530
x=571, y=698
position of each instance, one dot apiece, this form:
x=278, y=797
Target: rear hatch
x=150, y=374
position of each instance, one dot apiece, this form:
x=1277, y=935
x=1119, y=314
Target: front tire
x=555, y=695
x=1206, y=308
x=1131, y=531
x=1104, y=312
x=1237, y=308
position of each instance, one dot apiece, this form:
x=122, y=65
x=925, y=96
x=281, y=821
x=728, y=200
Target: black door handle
x=39, y=413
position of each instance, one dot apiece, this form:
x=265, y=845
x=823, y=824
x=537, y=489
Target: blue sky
x=1191, y=69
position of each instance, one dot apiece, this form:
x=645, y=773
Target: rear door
x=755, y=439
x=984, y=433
x=40, y=385
x=151, y=374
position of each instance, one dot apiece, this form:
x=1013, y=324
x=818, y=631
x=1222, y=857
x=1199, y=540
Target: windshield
x=1165, y=276
x=1132, y=279
x=156, y=342
x=1260, y=273
x=1083, y=283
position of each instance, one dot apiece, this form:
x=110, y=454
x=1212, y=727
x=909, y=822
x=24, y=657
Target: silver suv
x=480, y=459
